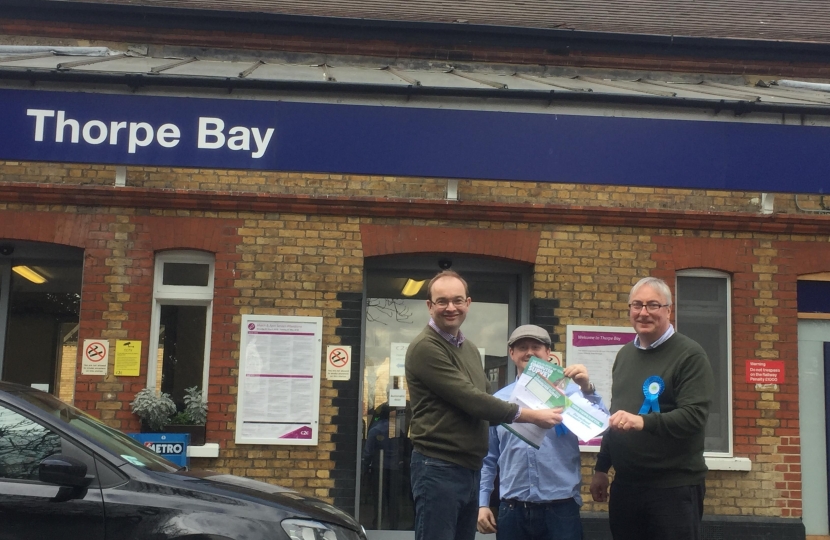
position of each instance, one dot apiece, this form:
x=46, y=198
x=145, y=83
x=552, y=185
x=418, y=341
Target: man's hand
x=579, y=374
x=599, y=488
x=486, y=521
x=544, y=418
x=623, y=421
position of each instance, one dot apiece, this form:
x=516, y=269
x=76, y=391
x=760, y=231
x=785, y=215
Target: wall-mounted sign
x=765, y=371
x=596, y=348
x=536, y=145
x=95, y=357
x=127, y=358
x=338, y=362
x=279, y=380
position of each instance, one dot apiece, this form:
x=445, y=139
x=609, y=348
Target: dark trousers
x=446, y=499
x=636, y=513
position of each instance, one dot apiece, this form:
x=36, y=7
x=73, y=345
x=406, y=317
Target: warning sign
x=338, y=362
x=765, y=371
x=95, y=357
x=127, y=358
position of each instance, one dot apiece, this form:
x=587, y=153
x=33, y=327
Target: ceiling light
x=412, y=287
x=29, y=274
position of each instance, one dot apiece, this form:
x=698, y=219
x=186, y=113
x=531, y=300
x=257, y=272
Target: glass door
x=396, y=313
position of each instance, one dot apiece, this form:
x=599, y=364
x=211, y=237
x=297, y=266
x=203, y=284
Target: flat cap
x=529, y=331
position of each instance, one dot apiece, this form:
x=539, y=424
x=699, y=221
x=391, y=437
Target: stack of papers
x=543, y=385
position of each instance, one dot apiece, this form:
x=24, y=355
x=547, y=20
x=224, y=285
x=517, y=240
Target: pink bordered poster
x=279, y=380
x=596, y=347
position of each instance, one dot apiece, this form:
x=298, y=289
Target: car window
x=113, y=440
x=23, y=445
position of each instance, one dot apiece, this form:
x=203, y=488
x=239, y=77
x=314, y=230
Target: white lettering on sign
x=137, y=135
x=166, y=448
x=212, y=136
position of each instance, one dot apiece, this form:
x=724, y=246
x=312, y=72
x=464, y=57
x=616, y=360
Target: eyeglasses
x=651, y=307
x=443, y=302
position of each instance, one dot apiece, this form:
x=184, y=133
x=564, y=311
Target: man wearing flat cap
x=539, y=489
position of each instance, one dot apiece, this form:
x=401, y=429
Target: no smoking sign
x=95, y=357
x=338, y=362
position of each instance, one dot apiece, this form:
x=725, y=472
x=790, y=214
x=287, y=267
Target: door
x=396, y=312
x=40, y=292
x=812, y=335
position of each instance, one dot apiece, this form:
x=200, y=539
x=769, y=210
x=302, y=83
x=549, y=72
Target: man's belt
x=535, y=504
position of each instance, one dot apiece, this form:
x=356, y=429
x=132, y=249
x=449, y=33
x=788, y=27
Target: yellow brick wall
x=295, y=264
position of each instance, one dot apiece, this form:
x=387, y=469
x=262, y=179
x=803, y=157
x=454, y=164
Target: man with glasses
x=451, y=414
x=539, y=489
x=662, y=385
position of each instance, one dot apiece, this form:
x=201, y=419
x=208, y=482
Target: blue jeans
x=446, y=499
x=550, y=521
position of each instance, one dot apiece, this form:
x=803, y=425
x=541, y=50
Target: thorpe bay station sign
x=685, y=151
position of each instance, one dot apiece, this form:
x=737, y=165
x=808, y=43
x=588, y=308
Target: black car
x=66, y=475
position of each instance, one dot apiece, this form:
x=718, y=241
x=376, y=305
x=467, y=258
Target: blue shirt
x=550, y=473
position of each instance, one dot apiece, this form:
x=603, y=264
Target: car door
x=31, y=509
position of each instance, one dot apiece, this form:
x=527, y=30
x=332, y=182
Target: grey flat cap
x=529, y=331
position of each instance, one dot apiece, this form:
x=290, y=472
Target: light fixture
x=411, y=287
x=29, y=274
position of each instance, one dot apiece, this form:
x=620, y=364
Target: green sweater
x=451, y=407
x=668, y=452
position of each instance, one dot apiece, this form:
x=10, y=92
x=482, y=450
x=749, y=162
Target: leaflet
x=543, y=385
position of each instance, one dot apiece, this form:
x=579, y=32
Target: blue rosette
x=652, y=388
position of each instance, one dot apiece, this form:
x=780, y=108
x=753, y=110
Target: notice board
x=596, y=347
x=279, y=380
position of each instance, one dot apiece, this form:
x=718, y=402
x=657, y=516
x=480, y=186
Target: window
x=23, y=445
x=703, y=312
x=182, y=312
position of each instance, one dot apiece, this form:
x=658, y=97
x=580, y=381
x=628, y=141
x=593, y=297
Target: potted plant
x=158, y=413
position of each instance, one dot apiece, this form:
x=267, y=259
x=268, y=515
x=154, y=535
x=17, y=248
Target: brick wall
x=311, y=263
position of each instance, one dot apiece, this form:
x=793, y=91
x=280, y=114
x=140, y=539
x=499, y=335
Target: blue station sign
x=122, y=129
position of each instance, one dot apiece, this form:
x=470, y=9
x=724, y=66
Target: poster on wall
x=596, y=347
x=279, y=380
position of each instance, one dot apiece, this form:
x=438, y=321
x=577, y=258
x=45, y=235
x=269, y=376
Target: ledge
x=207, y=450
x=728, y=464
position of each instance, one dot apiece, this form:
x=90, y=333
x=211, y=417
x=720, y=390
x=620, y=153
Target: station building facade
x=175, y=254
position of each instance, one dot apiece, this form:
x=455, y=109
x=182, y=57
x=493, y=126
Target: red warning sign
x=765, y=371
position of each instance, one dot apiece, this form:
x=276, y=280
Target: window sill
x=207, y=450
x=728, y=463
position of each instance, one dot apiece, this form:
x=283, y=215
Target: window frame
x=180, y=295
x=729, y=413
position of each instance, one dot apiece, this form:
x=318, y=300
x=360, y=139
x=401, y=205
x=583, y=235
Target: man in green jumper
x=451, y=414
x=662, y=385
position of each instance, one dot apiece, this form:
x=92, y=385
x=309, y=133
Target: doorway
x=812, y=388
x=395, y=313
x=40, y=292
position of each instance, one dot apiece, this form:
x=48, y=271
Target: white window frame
x=180, y=295
x=720, y=460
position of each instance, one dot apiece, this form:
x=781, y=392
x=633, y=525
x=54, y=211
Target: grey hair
x=655, y=283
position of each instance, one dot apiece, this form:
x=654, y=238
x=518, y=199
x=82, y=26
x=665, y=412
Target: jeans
x=549, y=521
x=446, y=499
x=635, y=513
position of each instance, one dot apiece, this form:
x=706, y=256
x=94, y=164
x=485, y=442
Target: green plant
x=195, y=408
x=154, y=409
